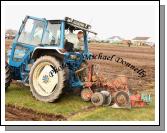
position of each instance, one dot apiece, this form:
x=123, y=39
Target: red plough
x=115, y=93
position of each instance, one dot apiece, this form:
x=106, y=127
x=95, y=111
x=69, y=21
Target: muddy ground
x=14, y=113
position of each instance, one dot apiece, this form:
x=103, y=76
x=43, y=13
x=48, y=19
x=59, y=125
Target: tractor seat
x=69, y=47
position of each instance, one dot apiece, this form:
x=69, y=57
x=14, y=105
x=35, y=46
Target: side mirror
x=23, y=21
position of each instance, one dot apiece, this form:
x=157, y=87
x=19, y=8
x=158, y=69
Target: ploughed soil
x=142, y=57
x=13, y=113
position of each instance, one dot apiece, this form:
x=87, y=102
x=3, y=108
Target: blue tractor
x=42, y=58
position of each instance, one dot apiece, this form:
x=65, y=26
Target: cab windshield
x=33, y=33
x=52, y=35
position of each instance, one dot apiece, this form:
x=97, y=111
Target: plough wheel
x=86, y=94
x=122, y=99
x=108, y=98
x=98, y=99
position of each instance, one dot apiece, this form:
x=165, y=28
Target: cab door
x=29, y=36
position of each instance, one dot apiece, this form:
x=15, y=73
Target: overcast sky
x=127, y=21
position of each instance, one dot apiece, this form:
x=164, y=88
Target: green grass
x=108, y=114
x=22, y=97
x=69, y=104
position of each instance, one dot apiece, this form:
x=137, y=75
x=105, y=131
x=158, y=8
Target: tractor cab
x=40, y=51
x=42, y=32
x=38, y=34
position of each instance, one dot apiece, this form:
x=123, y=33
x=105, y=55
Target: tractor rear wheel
x=7, y=76
x=47, y=79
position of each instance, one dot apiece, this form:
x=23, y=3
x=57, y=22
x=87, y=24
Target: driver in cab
x=75, y=39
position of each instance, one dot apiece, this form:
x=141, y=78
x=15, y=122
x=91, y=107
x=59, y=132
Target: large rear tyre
x=47, y=79
x=7, y=76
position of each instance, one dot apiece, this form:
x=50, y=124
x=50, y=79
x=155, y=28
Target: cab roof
x=74, y=24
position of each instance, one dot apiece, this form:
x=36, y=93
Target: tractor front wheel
x=47, y=79
x=7, y=76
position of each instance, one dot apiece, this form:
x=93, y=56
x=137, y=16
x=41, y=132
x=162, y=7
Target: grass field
x=73, y=108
